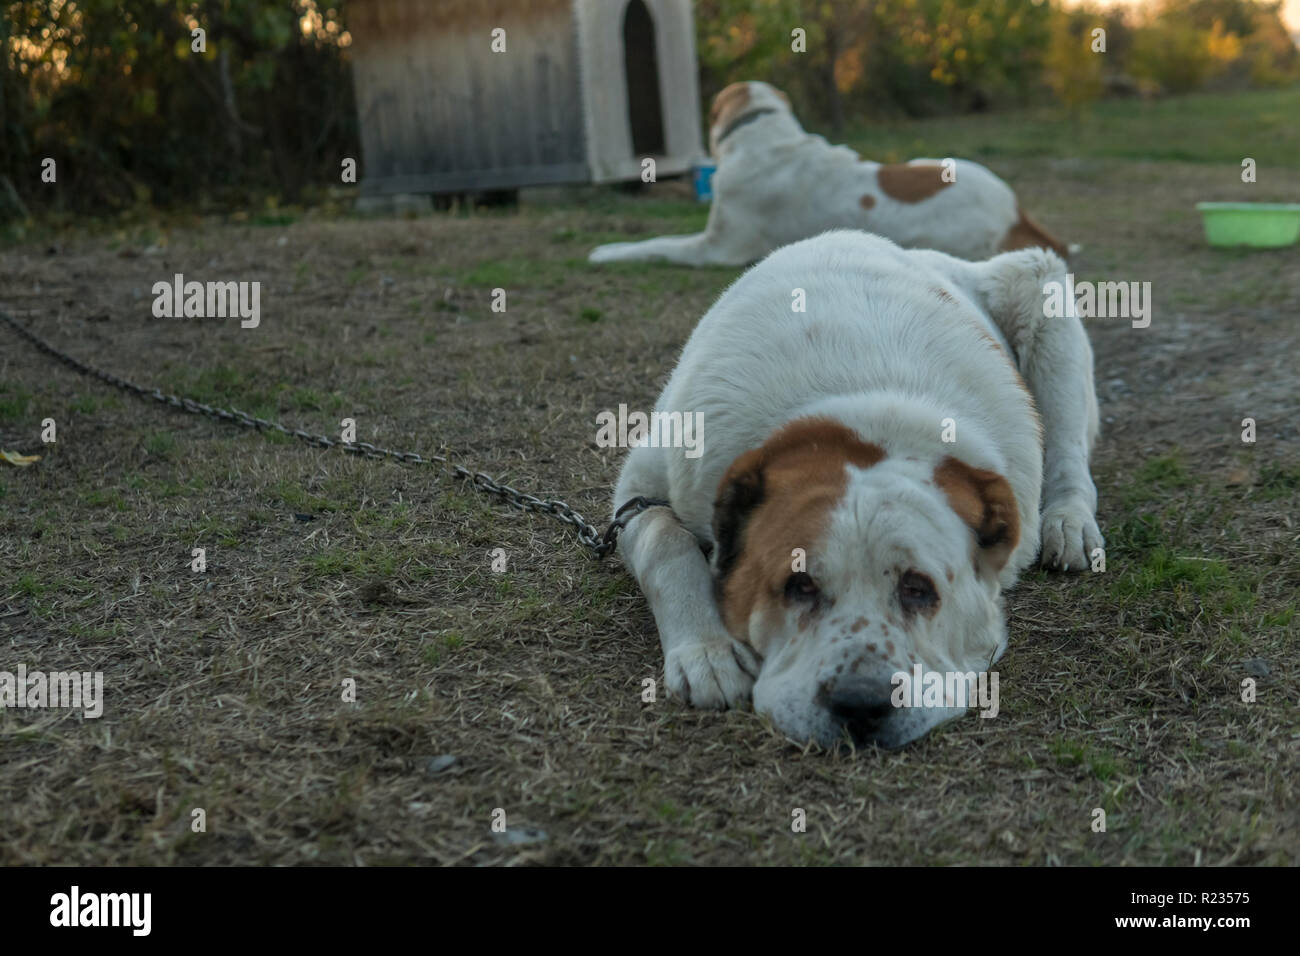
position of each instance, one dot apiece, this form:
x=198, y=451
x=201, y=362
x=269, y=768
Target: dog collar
x=629, y=510
x=744, y=120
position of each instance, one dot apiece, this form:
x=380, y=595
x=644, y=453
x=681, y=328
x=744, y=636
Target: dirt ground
x=224, y=689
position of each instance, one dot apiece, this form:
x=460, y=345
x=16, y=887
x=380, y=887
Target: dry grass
x=1120, y=690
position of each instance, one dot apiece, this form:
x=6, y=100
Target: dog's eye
x=800, y=587
x=916, y=592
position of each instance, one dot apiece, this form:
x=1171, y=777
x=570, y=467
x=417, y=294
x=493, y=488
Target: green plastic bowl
x=1263, y=224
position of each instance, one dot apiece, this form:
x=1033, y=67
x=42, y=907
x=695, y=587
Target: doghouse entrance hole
x=640, y=55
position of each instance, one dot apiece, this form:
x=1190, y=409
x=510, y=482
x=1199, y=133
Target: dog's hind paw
x=1070, y=535
x=716, y=674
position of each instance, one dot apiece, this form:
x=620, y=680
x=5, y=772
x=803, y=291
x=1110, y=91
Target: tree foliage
x=117, y=94
x=872, y=57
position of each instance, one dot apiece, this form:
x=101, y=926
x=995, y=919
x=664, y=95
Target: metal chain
x=590, y=536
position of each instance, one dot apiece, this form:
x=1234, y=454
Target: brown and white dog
x=776, y=184
x=873, y=471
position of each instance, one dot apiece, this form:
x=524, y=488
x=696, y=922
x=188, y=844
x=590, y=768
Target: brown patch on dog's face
x=911, y=182
x=867, y=201
x=943, y=294
x=984, y=500
x=728, y=103
x=774, y=499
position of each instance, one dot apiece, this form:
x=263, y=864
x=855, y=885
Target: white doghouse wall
x=585, y=90
x=609, y=35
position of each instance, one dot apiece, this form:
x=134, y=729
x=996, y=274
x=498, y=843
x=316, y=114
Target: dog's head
x=739, y=102
x=843, y=567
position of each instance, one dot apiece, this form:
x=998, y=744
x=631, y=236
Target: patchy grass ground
x=1120, y=690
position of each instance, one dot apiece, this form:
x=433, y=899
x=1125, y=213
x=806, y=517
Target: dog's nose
x=861, y=707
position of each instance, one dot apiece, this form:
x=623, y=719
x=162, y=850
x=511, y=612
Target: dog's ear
x=739, y=493
x=730, y=98
x=985, y=501
x=715, y=109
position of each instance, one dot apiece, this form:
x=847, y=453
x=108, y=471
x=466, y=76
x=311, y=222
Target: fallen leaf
x=22, y=461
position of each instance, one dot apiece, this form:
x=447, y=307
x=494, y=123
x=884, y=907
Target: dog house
x=468, y=95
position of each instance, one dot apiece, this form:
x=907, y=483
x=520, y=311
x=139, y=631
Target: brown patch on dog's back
x=1027, y=234
x=867, y=201
x=943, y=294
x=908, y=182
x=776, y=498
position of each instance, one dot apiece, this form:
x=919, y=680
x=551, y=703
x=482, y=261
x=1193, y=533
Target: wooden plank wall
x=436, y=105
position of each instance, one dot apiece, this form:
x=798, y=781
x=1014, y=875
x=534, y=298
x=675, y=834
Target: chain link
x=599, y=545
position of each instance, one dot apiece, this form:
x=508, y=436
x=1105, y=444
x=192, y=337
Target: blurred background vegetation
x=926, y=57
x=112, y=90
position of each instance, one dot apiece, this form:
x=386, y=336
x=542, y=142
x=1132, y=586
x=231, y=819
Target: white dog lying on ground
x=870, y=480
x=776, y=184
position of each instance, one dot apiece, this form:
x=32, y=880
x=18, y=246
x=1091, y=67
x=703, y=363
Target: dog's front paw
x=712, y=674
x=1070, y=534
x=607, y=253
